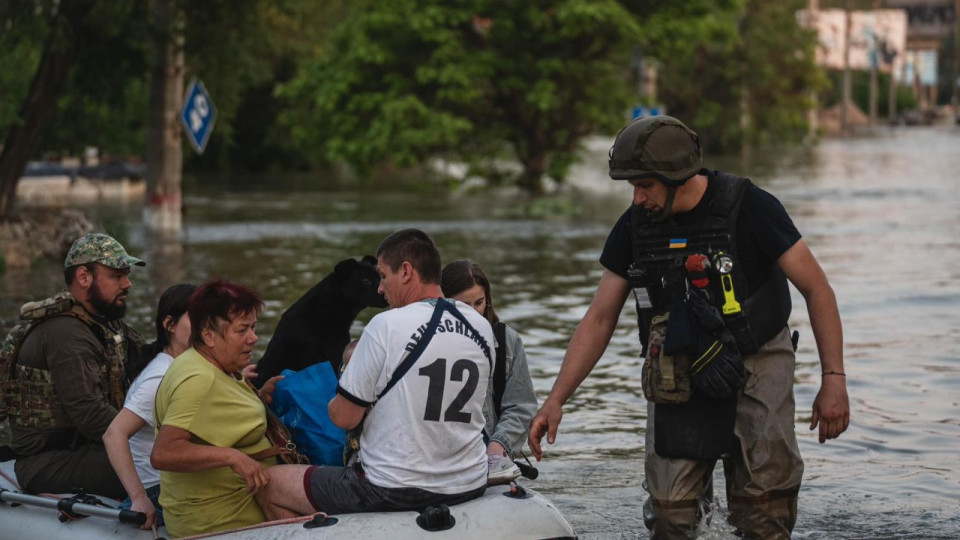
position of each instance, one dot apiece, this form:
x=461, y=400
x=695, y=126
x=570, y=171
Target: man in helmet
x=708, y=256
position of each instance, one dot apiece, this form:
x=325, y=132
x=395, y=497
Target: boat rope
x=263, y=525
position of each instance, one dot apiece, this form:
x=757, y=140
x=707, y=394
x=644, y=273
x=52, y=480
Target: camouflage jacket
x=28, y=394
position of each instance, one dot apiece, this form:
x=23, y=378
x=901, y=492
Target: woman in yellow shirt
x=210, y=423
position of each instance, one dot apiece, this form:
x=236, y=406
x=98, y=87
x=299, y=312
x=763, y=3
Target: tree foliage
x=84, y=48
x=738, y=71
x=408, y=80
x=399, y=83
x=103, y=98
x=22, y=30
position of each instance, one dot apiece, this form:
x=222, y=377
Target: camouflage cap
x=99, y=248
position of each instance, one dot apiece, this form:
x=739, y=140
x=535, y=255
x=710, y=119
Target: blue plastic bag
x=300, y=400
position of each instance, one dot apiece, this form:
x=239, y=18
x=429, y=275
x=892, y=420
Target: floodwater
x=881, y=212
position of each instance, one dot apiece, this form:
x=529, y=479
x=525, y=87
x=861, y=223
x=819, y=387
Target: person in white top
x=129, y=438
x=422, y=370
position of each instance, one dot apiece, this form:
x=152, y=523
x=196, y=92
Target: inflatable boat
x=507, y=512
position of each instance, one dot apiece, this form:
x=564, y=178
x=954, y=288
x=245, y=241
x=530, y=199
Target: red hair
x=219, y=300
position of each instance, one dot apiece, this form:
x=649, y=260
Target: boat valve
x=436, y=518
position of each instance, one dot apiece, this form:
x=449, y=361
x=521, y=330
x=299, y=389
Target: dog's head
x=360, y=281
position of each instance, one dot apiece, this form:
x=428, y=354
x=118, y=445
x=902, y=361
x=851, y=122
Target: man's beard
x=106, y=309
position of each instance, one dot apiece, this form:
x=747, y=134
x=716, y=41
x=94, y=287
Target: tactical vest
x=27, y=395
x=659, y=278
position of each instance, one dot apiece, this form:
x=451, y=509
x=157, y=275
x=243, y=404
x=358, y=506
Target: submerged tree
x=738, y=71
x=471, y=80
x=91, y=57
x=59, y=54
x=78, y=73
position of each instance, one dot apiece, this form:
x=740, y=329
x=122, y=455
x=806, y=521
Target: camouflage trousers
x=63, y=471
x=762, y=475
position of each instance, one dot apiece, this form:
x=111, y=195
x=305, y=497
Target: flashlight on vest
x=723, y=263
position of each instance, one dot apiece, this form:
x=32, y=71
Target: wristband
x=840, y=373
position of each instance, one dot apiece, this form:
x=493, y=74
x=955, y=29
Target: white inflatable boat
x=504, y=512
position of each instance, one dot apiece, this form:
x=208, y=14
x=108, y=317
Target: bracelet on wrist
x=840, y=373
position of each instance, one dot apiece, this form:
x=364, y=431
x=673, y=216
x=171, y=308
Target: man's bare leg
x=284, y=496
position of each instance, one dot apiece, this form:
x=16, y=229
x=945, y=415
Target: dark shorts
x=344, y=490
x=63, y=471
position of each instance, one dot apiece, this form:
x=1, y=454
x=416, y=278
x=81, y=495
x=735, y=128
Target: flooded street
x=881, y=212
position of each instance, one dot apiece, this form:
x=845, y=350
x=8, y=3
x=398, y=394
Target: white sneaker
x=501, y=470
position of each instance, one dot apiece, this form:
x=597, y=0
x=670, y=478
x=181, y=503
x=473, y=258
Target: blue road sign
x=198, y=115
x=639, y=111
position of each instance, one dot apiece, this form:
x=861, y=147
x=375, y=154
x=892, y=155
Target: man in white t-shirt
x=422, y=370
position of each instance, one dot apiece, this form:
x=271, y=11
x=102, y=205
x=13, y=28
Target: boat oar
x=71, y=506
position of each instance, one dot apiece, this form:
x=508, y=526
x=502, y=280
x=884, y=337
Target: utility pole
x=847, y=83
x=812, y=7
x=162, y=208
x=874, y=65
x=956, y=61
x=892, y=93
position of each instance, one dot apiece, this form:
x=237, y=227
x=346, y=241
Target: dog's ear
x=345, y=267
x=369, y=259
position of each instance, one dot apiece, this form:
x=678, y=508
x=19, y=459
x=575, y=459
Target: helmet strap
x=667, y=209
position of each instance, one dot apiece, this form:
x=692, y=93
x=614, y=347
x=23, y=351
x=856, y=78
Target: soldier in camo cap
x=99, y=248
x=68, y=372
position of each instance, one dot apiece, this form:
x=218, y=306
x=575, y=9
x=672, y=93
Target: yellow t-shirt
x=220, y=411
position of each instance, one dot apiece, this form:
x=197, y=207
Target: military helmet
x=657, y=146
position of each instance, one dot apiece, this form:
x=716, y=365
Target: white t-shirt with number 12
x=426, y=431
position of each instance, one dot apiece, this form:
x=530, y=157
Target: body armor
x=27, y=394
x=659, y=278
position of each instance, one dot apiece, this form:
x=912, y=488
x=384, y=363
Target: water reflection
x=881, y=213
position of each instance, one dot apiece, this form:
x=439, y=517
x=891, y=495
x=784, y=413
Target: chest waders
x=27, y=394
x=688, y=424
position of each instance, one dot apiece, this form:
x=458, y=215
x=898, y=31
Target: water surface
x=882, y=214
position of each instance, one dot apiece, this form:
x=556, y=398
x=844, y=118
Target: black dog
x=316, y=328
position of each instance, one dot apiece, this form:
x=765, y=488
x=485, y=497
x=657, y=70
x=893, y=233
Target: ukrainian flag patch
x=677, y=243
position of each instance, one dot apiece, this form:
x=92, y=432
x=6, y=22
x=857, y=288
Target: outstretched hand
x=545, y=422
x=268, y=388
x=249, y=372
x=831, y=408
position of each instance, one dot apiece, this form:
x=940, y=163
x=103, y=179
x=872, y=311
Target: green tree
x=738, y=71
x=76, y=74
x=22, y=44
x=77, y=33
x=288, y=33
x=779, y=71
x=471, y=79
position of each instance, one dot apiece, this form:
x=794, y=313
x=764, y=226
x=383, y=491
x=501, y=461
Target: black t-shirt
x=764, y=233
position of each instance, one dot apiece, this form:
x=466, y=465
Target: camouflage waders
x=762, y=476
